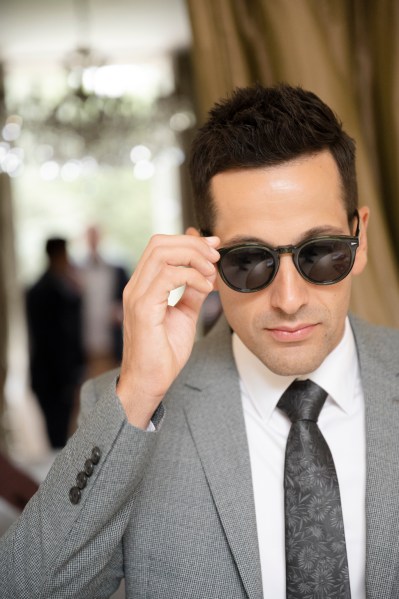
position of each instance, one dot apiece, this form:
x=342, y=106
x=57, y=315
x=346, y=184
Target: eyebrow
x=310, y=234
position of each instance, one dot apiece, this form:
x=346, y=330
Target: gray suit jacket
x=173, y=510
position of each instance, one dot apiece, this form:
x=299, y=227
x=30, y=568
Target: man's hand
x=158, y=338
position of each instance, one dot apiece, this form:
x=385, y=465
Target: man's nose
x=289, y=290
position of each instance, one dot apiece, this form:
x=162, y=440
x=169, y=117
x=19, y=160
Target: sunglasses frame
x=294, y=250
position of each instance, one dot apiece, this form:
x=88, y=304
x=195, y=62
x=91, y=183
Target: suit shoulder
x=374, y=333
x=376, y=343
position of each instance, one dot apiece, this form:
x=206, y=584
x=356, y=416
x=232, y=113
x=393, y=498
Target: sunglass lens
x=247, y=269
x=325, y=261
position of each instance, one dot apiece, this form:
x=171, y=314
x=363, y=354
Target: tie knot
x=303, y=400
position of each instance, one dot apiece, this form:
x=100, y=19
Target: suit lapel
x=214, y=415
x=380, y=387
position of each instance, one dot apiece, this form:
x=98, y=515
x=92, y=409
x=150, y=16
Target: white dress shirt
x=342, y=423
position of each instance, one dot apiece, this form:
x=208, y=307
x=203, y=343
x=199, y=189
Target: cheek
x=228, y=299
x=218, y=284
x=336, y=301
x=240, y=309
x=360, y=262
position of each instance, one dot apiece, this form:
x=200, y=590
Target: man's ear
x=361, y=254
x=193, y=231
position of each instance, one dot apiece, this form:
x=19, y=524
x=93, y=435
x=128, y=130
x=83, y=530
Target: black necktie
x=316, y=561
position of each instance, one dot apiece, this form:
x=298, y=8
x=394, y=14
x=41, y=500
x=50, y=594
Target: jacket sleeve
x=67, y=542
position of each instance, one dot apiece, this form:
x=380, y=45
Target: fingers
x=169, y=262
x=153, y=302
x=179, y=250
x=158, y=338
x=191, y=301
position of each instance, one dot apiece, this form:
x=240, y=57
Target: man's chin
x=293, y=362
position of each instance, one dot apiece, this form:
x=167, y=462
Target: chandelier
x=102, y=118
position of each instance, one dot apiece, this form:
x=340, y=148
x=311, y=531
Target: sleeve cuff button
x=95, y=455
x=74, y=495
x=81, y=480
x=88, y=467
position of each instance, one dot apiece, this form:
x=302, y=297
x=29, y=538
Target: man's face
x=291, y=325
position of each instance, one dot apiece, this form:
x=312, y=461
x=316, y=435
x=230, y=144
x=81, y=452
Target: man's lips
x=291, y=333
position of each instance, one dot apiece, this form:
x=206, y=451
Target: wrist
x=138, y=405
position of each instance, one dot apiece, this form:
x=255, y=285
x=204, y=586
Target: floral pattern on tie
x=316, y=560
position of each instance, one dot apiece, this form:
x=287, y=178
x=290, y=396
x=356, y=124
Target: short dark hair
x=55, y=246
x=264, y=126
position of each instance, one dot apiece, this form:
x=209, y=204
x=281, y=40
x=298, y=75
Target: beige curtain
x=346, y=51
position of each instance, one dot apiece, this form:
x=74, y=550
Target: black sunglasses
x=326, y=260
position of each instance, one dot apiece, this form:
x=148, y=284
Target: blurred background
x=99, y=102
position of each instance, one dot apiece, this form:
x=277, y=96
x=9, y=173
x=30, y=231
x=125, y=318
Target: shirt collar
x=337, y=375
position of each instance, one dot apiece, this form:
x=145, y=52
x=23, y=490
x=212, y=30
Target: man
x=176, y=473
x=53, y=306
x=103, y=284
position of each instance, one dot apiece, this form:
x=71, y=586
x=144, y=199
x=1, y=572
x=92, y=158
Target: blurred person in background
x=103, y=284
x=54, y=318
